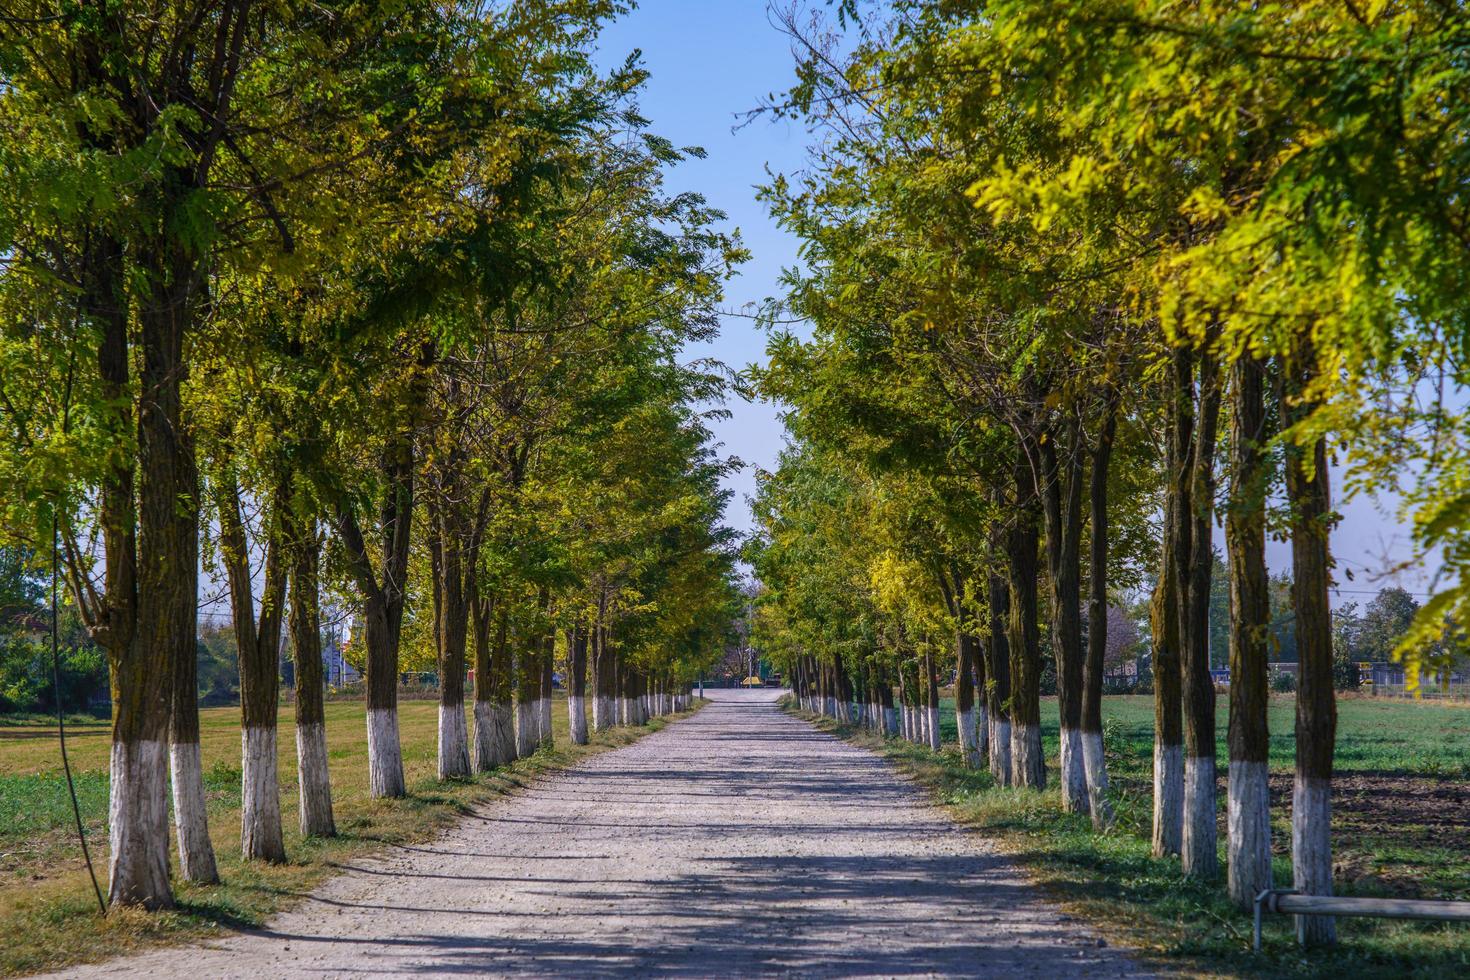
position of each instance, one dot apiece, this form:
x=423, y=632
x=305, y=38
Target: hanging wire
x=71, y=786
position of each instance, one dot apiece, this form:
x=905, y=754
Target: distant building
x=339, y=673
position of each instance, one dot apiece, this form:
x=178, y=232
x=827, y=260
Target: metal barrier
x=1295, y=903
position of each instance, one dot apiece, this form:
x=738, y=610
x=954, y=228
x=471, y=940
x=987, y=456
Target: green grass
x=48, y=916
x=1387, y=751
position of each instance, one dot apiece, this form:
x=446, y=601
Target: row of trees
x=381, y=299
x=1086, y=279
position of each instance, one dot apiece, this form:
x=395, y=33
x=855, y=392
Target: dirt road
x=739, y=842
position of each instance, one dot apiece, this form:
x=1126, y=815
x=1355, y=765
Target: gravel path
x=738, y=842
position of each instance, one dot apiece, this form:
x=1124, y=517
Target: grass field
x=48, y=916
x=1401, y=828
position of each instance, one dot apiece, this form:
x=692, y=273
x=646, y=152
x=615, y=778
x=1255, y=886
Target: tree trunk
x=998, y=679
x=577, y=684
x=885, y=700
x=313, y=778
x=259, y=646
x=602, y=714
x=964, y=698
x=1199, y=846
x=140, y=672
x=1316, y=707
x=528, y=695
x=1028, y=765
x=451, y=636
x=543, y=705
x=1249, y=805
x=1094, y=757
x=931, y=707
x=1167, y=628
x=383, y=611
x=494, y=730
x=168, y=510
x=1061, y=485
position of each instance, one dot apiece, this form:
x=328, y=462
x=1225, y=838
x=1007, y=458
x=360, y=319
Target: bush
x=1283, y=682
x=27, y=684
x=1344, y=670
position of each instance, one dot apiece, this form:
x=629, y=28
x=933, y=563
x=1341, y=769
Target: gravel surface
x=738, y=842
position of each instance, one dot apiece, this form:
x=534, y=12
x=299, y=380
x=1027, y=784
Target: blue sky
x=711, y=60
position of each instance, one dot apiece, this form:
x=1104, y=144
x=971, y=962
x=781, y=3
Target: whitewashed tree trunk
x=1000, y=752
x=1027, y=761
x=982, y=735
x=1094, y=761
x=965, y=720
x=260, y=796
x=1199, y=848
x=314, y=782
x=1248, y=823
x=1168, y=799
x=528, y=729
x=385, y=759
x=1073, y=775
x=577, y=715
x=191, y=816
x=931, y=727
x=454, y=742
x=137, y=825
x=543, y=717
x=1311, y=854
x=890, y=721
x=495, y=743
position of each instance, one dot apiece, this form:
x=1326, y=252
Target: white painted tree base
x=965, y=721
x=191, y=820
x=385, y=759
x=260, y=797
x=1073, y=775
x=1000, y=751
x=528, y=729
x=1028, y=765
x=1248, y=831
x=137, y=826
x=577, y=713
x=890, y=721
x=543, y=721
x=454, y=742
x=313, y=780
x=931, y=728
x=495, y=740
x=1311, y=855
x=1198, y=851
x=982, y=737
x=1095, y=768
x=1168, y=799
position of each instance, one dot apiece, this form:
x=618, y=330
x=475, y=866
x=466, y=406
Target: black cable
x=71, y=786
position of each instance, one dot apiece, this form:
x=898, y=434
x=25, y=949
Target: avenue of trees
x=1086, y=281
x=378, y=301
